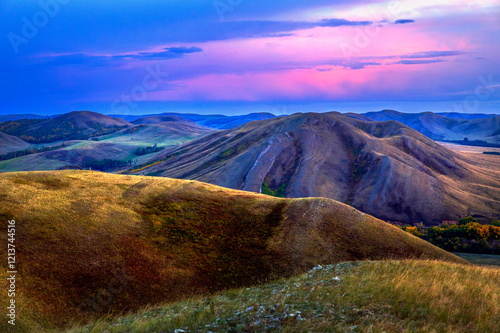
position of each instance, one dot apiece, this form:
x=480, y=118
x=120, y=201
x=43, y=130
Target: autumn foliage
x=466, y=236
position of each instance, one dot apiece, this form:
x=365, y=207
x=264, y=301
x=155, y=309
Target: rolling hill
x=10, y=143
x=440, y=127
x=94, y=243
x=382, y=168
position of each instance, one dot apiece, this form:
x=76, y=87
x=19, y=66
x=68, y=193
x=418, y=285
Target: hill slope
x=383, y=168
x=94, y=242
x=10, y=143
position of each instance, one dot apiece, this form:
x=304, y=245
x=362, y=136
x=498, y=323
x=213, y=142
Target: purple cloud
x=416, y=62
x=403, y=21
x=433, y=54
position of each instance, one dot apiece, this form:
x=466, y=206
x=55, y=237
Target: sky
x=242, y=56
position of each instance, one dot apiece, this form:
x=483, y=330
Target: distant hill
x=93, y=243
x=235, y=121
x=159, y=132
x=382, y=168
x=216, y=121
x=11, y=117
x=70, y=126
x=9, y=143
x=458, y=115
x=89, y=119
x=160, y=119
x=439, y=127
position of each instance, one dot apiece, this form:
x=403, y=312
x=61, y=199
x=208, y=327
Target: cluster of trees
x=70, y=167
x=147, y=150
x=25, y=152
x=105, y=164
x=466, y=236
x=478, y=143
x=18, y=127
x=133, y=129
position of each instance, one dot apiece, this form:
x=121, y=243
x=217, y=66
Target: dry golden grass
x=92, y=243
x=388, y=296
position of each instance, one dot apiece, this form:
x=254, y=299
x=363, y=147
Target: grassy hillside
x=391, y=296
x=94, y=243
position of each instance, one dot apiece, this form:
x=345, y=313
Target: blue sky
x=240, y=56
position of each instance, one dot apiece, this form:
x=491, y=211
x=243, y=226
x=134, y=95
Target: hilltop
x=383, y=168
x=95, y=243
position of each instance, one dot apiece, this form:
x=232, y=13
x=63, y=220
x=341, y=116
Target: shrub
x=466, y=220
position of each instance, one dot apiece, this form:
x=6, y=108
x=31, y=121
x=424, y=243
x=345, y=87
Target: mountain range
x=437, y=126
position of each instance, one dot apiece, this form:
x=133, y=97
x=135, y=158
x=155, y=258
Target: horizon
x=240, y=57
x=241, y=114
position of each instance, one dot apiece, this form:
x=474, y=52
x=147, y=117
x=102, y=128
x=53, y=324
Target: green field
x=480, y=259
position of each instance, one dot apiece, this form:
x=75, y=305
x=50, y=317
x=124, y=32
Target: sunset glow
x=310, y=55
